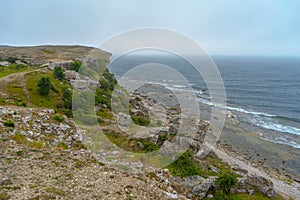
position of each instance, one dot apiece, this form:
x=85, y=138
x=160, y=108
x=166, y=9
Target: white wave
x=179, y=86
x=235, y=108
x=271, y=125
x=283, y=141
x=260, y=119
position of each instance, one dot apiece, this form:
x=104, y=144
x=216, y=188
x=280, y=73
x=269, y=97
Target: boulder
x=123, y=119
x=71, y=75
x=253, y=183
x=62, y=64
x=202, y=189
x=4, y=63
x=186, y=184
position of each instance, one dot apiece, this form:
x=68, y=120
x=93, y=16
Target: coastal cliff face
x=46, y=155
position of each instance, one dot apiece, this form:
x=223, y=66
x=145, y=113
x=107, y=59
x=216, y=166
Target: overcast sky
x=257, y=27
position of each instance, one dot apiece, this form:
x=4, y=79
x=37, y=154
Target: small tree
x=67, y=94
x=75, y=66
x=226, y=181
x=59, y=73
x=44, y=86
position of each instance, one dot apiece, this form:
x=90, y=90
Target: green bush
x=59, y=73
x=11, y=59
x=138, y=99
x=67, y=95
x=75, y=66
x=44, y=86
x=9, y=123
x=58, y=118
x=184, y=166
x=226, y=181
x=140, y=120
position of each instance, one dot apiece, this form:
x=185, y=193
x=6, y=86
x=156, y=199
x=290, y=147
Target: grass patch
x=105, y=114
x=3, y=196
x=79, y=163
x=20, y=152
x=20, y=139
x=134, y=145
x=218, y=195
x=9, y=123
x=61, y=146
x=140, y=120
x=2, y=101
x=54, y=97
x=17, y=94
x=11, y=69
x=55, y=190
x=185, y=166
x=37, y=144
x=46, y=51
x=58, y=118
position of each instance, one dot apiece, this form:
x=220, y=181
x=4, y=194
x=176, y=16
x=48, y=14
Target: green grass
x=133, y=145
x=17, y=94
x=140, y=120
x=20, y=152
x=58, y=118
x=46, y=51
x=3, y=196
x=2, y=101
x=185, y=166
x=20, y=139
x=13, y=68
x=61, y=146
x=105, y=114
x=220, y=196
x=42, y=101
x=9, y=123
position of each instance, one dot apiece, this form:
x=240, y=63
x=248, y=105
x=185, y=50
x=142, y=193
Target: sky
x=238, y=27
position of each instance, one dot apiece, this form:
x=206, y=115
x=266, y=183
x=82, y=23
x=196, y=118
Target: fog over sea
x=263, y=92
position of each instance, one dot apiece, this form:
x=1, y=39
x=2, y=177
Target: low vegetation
x=226, y=181
x=12, y=68
x=140, y=120
x=134, y=145
x=9, y=123
x=59, y=73
x=185, y=166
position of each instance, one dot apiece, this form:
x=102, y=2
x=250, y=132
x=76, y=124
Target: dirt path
x=20, y=78
x=13, y=76
x=281, y=187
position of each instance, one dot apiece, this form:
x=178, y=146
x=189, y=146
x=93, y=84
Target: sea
x=263, y=92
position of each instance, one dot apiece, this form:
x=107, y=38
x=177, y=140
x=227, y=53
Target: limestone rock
x=202, y=189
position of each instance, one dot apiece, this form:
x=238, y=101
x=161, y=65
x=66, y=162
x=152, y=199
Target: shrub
x=20, y=139
x=75, y=66
x=140, y=120
x=226, y=181
x=59, y=73
x=20, y=152
x=11, y=59
x=184, y=166
x=138, y=99
x=37, y=144
x=44, y=86
x=9, y=123
x=67, y=94
x=61, y=146
x=58, y=118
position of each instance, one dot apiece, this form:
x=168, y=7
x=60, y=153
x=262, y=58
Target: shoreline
x=283, y=188
x=276, y=162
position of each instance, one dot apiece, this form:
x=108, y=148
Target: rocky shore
x=46, y=155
